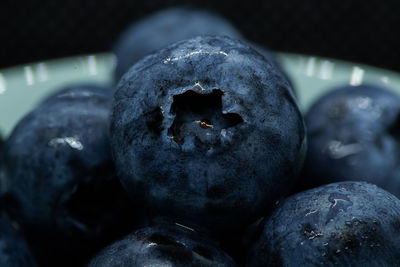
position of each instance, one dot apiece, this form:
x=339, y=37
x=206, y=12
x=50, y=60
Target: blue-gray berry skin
x=164, y=28
x=83, y=92
x=163, y=245
x=207, y=130
x=353, y=134
x=340, y=224
x=14, y=251
x=271, y=57
x=59, y=178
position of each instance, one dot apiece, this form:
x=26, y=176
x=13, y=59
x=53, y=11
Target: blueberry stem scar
x=204, y=109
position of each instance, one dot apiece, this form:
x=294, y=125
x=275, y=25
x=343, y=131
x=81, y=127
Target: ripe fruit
x=163, y=245
x=207, y=130
x=353, y=134
x=59, y=178
x=340, y=224
x=164, y=28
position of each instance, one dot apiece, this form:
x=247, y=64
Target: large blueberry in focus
x=354, y=134
x=272, y=57
x=340, y=224
x=59, y=178
x=14, y=251
x=164, y=28
x=207, y=130
x=163, y=245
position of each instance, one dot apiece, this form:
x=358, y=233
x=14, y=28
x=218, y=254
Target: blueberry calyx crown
x=196, y=113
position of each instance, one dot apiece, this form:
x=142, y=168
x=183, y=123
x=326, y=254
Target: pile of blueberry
x=195, y=158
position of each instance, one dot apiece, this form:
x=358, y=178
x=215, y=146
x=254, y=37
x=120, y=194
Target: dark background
x=365, y=32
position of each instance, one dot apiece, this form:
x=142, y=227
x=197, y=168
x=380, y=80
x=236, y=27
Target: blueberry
x=206, y=130
x=166, y=27
x=14, y=251
x=271, y=56
x=340, y=224
x=171, y=25
x=85, y=92
x=59, y=177
x=163, y=245
x=354, y=134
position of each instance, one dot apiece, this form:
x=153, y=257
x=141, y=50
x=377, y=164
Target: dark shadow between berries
x=394, y=128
